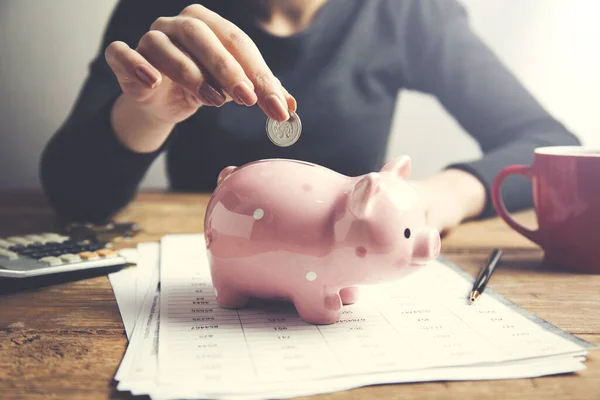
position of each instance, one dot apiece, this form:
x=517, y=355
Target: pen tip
x=473, y=296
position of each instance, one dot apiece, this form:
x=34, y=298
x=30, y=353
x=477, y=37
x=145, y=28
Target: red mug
x=566, y=198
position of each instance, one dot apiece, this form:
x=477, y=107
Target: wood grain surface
x=63, y=338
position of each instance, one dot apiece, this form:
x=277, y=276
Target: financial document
x=185, y=346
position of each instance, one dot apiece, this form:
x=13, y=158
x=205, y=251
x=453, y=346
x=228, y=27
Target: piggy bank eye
x=407, y=233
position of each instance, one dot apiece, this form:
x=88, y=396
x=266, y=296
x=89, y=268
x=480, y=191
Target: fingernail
x=146, y=75
x=212, y=95
x=276, y=108
x=244, y=94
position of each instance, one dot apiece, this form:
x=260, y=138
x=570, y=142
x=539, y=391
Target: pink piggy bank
x=286, y=229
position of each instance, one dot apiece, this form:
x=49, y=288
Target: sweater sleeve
x=86, y=173
x=445, y=58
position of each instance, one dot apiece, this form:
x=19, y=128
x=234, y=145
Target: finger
x=207, y=50
x=271, y=97
x=135, y=74
x=171, y=61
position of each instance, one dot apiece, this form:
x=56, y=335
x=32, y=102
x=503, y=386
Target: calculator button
x=50, y=234
x=36, y=238
x=11, y=255
x=45, y=234
x=54, y=237
x=88, y=255
x=4, y=244
x=51, y=260
x=70, y=258
x=19, y=240
x=107, y=253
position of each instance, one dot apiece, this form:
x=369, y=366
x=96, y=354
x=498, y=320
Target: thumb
x=291, y=101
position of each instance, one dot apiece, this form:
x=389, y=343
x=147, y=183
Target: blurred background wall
x=45, y=48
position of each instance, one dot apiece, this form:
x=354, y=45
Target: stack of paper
x=183, y=345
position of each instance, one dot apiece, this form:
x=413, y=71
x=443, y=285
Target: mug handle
x=523, y=170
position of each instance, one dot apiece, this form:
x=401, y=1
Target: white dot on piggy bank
x=311, y=276
x=216, y=293
x=258, y=213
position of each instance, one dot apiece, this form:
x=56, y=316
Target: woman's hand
x=185, y=62
x=450, y=197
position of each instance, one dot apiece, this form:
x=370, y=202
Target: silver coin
x=284, y=134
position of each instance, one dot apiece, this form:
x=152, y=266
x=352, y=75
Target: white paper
x=130, y=254
x=131, y=284
x=346, y=383
x=140, y=361
x=138, y=372
x=142, y=378
x=148, y=270
x=123, y=283
x=395, y=333
x=141, y=354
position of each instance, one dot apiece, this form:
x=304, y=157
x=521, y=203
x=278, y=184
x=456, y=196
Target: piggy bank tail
x=225, y=173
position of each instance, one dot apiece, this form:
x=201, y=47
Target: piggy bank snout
x=427, y=246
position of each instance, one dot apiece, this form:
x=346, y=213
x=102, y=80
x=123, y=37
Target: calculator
x=50, y=253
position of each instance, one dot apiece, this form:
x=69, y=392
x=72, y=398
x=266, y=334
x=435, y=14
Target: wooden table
x=66, y=340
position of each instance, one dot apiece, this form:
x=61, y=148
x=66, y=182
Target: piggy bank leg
x=230, y=298
x=227, y=295
x=349, y=295
x=318, y=308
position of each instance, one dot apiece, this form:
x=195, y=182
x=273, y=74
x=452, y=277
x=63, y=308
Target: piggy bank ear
x=399, y=166
x=225, y=173
x=361, y=197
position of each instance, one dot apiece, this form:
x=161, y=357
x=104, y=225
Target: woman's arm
x=159, y=63
x=445, y=58
x=88, y=174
